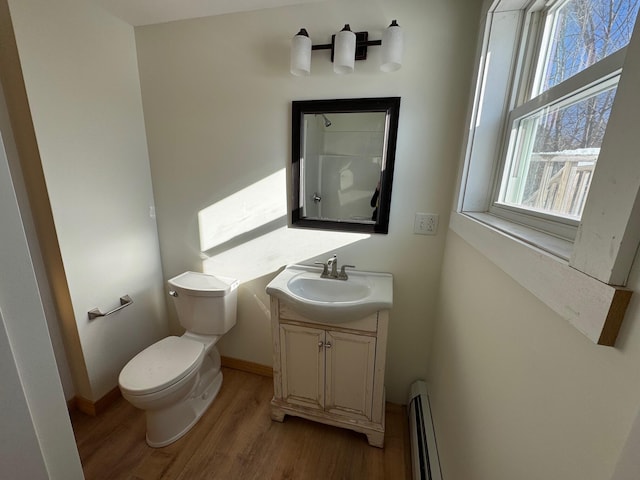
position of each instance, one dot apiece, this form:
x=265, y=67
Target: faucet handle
x=325, y=269
x=343, y=274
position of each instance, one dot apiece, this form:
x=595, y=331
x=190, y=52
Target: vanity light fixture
x=346, y=47
x=301, y=53
x=344, y=51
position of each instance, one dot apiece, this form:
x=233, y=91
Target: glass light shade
x=392, y=46
x=344, y=53
x=301, y=54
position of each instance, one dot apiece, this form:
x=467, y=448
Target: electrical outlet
x=425, y=223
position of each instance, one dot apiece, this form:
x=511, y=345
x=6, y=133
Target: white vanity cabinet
x=330, y=373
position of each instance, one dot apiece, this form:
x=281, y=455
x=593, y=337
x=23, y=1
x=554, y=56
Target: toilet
x=176, y=379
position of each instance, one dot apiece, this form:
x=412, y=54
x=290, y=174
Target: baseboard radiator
x=424, y=450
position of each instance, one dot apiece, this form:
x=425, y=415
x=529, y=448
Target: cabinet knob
x=320, y=345
x=327, y=345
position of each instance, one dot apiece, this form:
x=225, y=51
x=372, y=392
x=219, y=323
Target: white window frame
x=532, y=42
x=583, y=281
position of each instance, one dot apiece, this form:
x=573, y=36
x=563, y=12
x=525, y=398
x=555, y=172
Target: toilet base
x=167, y=425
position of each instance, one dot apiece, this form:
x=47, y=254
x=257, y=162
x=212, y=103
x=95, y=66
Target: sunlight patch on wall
x=246, y=210
x=269, y=252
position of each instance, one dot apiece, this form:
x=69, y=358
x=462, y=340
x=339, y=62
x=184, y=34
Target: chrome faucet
x=332, y=264
x=330, y=269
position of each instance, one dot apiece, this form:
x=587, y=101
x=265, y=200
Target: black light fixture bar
x=362, y=43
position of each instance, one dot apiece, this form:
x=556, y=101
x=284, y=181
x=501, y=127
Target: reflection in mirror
x=343, y=157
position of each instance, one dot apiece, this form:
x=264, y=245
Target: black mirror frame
x=390, y=105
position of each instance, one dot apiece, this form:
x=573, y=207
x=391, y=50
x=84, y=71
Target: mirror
x=343, y=154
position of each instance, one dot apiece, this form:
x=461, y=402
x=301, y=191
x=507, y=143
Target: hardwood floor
x=236, y=439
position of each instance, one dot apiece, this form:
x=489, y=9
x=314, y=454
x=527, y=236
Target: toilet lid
x=203, y=284
x=161, y=365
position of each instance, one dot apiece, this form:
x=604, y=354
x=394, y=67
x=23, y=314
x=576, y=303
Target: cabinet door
x=350, y=361
x=302, y=356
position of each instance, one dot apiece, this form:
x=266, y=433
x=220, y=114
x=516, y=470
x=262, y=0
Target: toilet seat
x=161, y=365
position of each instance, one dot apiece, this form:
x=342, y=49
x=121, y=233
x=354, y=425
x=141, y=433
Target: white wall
x=19, y=183
x=81, y=76
x=217, y=100
x=517, y=391
x=36, y=440
x=628, y=464
x=20, y=456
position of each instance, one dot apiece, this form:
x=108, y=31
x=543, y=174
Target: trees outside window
x=555, y=135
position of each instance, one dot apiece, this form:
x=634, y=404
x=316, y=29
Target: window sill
x=556, y=246
x=595, y=308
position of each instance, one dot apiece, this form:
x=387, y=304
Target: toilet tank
x=206, y=304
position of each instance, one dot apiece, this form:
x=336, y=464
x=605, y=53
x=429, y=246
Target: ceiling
x=147, y=12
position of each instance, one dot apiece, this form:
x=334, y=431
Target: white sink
x=329, y=300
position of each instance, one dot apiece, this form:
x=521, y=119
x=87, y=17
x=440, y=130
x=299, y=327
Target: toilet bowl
x=176, y=379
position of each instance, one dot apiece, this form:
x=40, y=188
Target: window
x=550, y=178
x=571, y=56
